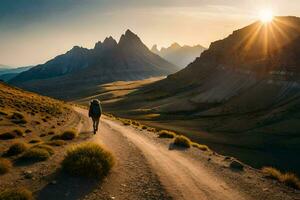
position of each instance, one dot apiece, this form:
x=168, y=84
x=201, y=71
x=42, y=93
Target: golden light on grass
x=266, y=16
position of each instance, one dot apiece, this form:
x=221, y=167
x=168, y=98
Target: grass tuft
x=88, y=160
x=16, y=149
x=5, y=166
x=68, y=135
x=34, y=141
x=7, y=136
x=288, y=179
x=202, y=147
x=37, y=153
x=16, y=194
x=166, y=134
x=182, y=141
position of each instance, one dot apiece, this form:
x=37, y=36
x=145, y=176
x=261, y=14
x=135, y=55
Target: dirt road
x=182, y=178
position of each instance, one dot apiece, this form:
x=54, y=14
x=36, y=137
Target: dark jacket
x=95, y=110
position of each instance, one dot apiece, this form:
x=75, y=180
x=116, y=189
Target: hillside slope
x=242, y=95
x=80, y=69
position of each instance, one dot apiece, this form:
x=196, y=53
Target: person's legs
x=94, y=125
x=97, y=123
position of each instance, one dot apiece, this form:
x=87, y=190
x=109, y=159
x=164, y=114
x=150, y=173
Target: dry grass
x=182, y=141
x=5, y=165
x=88, y=160
x=16, y=149
x=202, y=147
x=16, y=194
x=166, y=134
x=288, y=179
x=68, y=135
x=37, y=153
x=34, y=141
x=7, y=136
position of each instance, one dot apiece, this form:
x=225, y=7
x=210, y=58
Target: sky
x=34, y=31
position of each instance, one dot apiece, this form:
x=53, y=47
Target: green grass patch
x=16, y=194
x=16, y=149
x=5, y=165
x=166, y=134
x=88, y=160
x=182, y=141
x=288, y=179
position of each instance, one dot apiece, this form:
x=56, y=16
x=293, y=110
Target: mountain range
x=80, y=69
x=7, y=73
x=179, y=55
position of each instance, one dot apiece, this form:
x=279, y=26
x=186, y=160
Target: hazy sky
x=33, y=31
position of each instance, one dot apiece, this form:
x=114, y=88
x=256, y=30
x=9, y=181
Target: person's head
x=96, y=101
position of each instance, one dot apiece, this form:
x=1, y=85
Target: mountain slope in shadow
x=242, y=95
x=81, y=70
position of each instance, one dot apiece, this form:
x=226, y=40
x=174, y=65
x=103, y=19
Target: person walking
x=95, y=112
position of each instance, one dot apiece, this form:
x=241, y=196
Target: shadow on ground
x=65, y=187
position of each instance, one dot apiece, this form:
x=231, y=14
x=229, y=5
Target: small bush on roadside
x=7, y=136
x=288, y=179
x=88, y=160
x=51, y=133
x=16, y=194
x=5, y=166
x=166, y=134
x=127, y=123
x=68, y=135
x=16, y=149
x=202, y=147
x=18, y=132
x=34, y=141
x=182, y=141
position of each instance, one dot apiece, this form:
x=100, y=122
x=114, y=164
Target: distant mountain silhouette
x=179, y=55
x=5, y=70
x=83, y=68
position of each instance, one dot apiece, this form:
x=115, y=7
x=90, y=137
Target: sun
x=266, y=16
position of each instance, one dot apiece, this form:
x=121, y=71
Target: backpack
x=95, y=109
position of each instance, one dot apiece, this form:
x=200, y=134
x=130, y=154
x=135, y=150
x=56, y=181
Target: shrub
x=56, y=143
x=7, y=136
x=182, y=141
x=35, y=154
x=288, y=179
x=16, y=149
x=271, y=172
x=5, y=165
x=166, y=134
x=16, y=194
x=55, y=137
x=68, y=135
x=135, y=123
x=88, y=160
x=202, y=147
x=127, y=123
x=18, y=118
x=144, y=127
x=44, y=147
x=33, y=141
